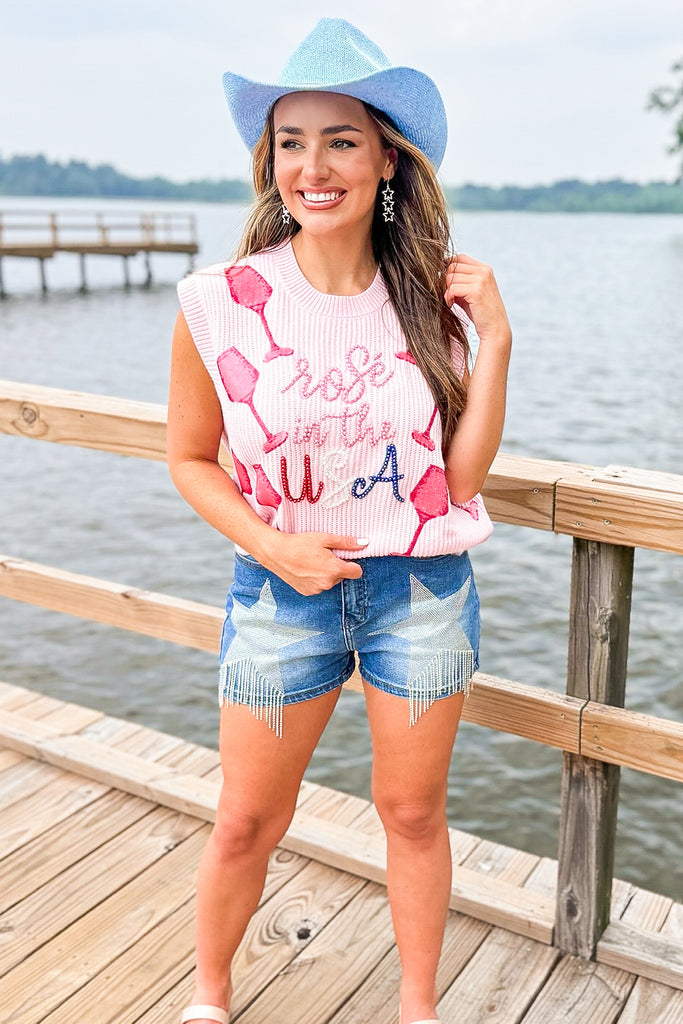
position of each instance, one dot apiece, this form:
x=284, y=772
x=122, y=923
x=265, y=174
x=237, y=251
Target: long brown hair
x=412, y=252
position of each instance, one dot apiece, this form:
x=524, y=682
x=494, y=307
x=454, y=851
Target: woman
x=330, y=357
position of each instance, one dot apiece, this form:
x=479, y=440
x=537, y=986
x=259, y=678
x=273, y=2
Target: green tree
x=669, y=99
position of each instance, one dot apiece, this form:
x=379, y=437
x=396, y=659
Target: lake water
x=596, y=303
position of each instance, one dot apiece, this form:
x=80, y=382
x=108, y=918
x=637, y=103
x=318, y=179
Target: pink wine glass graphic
x=407, y=357
x=239, y=380
x=423, y=436
x=471, y=507
x=429, y=497
x=242, y=474
x=265, y=492
x=252, y=291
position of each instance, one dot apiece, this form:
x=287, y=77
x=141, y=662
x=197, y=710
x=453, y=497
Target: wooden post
x=43, y=278
x=102, y=228
x=3, y=293
x=602, y=576
x=84, y=282
x=126, y=274
x=148, y=268
x=147, y=228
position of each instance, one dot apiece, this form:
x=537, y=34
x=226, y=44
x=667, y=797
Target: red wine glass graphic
x=239, y=380
x=423, y=436
x=252, y=291
x=430, y=499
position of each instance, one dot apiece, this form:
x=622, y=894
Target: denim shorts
x=413, y=622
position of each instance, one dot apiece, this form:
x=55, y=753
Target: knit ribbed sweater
x=331, y=425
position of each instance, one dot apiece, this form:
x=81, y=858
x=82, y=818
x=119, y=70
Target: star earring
x=286, y=215
x=388, y=203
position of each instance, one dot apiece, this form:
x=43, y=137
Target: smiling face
x=329, y=160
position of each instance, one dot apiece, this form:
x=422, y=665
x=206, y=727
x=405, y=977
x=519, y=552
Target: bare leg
x=410, y=780
x=262, y=774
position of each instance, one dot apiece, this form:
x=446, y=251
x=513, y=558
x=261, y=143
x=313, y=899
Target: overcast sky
x=535, y=90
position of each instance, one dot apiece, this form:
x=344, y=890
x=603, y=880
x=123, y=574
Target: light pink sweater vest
x=331, y=425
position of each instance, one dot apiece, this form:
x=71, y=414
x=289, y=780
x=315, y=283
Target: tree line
x=572, y=196
x=38, y=176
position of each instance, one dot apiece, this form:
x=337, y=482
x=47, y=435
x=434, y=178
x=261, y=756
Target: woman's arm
x=472, y=286
x=195, y=425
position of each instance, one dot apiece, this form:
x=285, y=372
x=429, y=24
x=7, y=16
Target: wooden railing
x=608, y=511
x=68, y=228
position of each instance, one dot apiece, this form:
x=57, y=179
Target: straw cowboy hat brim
x=336, y=57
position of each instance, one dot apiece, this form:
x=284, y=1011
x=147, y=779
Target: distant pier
x=40, y=235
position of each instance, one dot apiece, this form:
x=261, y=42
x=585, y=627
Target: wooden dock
x=102, y=821
x=40, y=235
x=101, y=826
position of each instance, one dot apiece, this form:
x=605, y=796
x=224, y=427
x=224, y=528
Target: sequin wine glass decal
x=423, y=436
x=429, y=498
x=407, y=357
x=252, y=291
x=239, y=380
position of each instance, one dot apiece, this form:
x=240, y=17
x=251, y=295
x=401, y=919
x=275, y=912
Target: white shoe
x=205, y=1013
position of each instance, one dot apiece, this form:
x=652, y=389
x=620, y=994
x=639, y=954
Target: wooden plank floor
x=96, y=907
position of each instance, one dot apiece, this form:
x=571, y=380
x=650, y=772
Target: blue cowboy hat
x=337, y=57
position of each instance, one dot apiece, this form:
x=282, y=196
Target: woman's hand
x=472, y=286
x=306, y=561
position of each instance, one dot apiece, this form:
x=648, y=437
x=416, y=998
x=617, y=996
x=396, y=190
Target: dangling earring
x=388, y=203
x=286, y=215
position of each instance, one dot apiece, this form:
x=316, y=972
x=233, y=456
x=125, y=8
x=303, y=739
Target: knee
x=241, y=832
x=415, y=820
